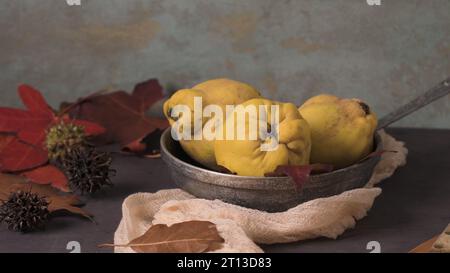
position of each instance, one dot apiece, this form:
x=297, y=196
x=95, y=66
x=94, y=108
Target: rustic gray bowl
x=271, y=194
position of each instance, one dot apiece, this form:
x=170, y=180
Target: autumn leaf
x=34, y=100
x=5, y=139
x=147, y=93
x=18, y=156
x=90, y=128
x=27, y=149
x=184, y=237
x=57, y=201
x=48, y=174
x=15, y=120
x=123, y=115
x=300, y=173
x=148, y=146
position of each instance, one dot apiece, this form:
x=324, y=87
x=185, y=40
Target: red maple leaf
x=18, y=156
x=27, y=150
x=5, y=139
x=48, y=174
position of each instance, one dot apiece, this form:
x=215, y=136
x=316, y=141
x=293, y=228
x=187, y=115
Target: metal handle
x=431, y=95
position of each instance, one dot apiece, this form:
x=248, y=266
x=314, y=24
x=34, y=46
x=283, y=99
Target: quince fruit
x=342, y=130
x=286, y=142
x=219, y=92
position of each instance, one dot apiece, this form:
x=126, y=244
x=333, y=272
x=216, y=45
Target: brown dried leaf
x=425, y=247
x=67, y=202
x=185, y=237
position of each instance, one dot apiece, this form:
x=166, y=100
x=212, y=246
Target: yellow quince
x=285, y=141
x=220, y=92
x=342, y=130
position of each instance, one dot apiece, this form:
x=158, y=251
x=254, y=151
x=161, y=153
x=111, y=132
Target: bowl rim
x=165, y=151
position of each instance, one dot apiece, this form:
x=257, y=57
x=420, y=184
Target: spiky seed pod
x=62, y=138
x=24, y=211
x=88, y=169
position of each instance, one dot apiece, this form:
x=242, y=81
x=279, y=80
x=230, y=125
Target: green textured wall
x=290, y=49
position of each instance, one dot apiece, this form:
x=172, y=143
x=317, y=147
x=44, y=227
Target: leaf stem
x=157, y=243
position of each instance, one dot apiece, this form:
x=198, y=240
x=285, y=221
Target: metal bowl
x=271, y=194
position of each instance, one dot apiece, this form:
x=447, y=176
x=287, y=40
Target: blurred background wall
x=289, y=49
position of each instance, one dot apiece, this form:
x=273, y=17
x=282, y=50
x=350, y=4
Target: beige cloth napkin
x=244, y=228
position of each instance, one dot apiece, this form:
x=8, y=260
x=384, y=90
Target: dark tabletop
x=413, y=207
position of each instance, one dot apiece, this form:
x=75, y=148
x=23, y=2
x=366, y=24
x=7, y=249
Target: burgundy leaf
x=300, y=173
x=122, y=114
x=148, y=92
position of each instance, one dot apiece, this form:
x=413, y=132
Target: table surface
x=413, y=207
